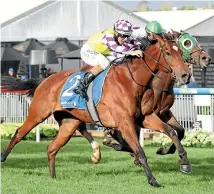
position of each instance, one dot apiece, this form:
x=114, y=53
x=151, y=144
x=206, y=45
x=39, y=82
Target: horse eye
x=168, y=52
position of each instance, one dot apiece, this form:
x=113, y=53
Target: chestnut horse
x=163, y=96
x=119, y=105
x=158, y=99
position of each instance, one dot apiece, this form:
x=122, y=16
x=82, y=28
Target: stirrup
x=81, y=92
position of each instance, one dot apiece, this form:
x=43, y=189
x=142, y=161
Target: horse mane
x=121, y=60
x=169, y=36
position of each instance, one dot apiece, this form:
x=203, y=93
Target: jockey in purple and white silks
x=105, y=46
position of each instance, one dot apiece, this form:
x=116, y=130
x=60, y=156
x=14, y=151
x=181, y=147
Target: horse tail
x=11, y=84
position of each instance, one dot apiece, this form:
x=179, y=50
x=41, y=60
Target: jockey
x=146, y=35
x=104, y=47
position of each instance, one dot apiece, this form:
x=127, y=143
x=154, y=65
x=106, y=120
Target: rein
x=148, y=67
x=169, y=69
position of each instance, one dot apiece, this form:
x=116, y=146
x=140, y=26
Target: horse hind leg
x=66, y=129
x=32, y=121
x=96, y=156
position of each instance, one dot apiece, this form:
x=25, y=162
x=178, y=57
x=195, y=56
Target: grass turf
x=26, y=172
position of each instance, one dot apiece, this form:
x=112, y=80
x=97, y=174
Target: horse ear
x=175, y=33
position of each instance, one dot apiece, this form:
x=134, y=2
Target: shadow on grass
x=202, y=167
x=204, y=171
x=41, y=161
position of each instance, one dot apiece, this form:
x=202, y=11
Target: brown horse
x=163, y=97
x=166, y=97
x=161, y=90
x=118, y=107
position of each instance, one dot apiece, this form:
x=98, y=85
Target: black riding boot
x=84, y=83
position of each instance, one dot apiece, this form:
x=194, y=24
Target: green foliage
x=7, y=130
x=195, y=138
x=46, y=131
x=49, y=132
x=187, y=7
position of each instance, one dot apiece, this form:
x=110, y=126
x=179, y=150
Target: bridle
x=189, y=59
x=200, y=50
x=168, y=68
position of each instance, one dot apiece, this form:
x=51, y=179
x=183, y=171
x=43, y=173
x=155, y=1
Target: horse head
x=192, y=52
x=168, y=58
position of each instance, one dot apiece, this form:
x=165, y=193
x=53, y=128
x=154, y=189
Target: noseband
x=200, y=51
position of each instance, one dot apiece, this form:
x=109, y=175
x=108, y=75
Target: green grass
x=26, y=171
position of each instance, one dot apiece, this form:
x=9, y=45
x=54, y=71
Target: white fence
x=14, y=109
x=190, y=109
x=187, y=109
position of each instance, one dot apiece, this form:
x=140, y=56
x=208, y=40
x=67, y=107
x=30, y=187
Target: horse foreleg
x=96, y=156
x=169, y=118
x=32, y=121
x=128, y=131
x=153, y=122
x=66, y=130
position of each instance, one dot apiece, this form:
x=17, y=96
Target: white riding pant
x=94, y=58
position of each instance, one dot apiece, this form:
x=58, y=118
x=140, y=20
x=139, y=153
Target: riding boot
x=83, y=85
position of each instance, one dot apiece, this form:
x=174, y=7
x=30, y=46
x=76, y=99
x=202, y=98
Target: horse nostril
x=205, y=58
x=184, y=75
x=208, y=59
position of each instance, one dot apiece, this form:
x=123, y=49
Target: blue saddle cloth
x=69, y=99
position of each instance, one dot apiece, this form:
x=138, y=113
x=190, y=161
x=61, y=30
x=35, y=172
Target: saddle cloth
x=69, y=99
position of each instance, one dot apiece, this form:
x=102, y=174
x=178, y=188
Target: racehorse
x=119, y=105
x=163, y=98
x=161, y=91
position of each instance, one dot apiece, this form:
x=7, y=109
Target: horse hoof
x=2, y=158
x=107, y=141
x=154, y=183
x=96, y=156
x=186, y=168
x=118, y=147
x=137, y=163
x=94, y=159
x=164, y=151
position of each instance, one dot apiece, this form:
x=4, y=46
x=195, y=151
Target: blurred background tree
x=187, y=7
x=166, y=6
x=142, y=6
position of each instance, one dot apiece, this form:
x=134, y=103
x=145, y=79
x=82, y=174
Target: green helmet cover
x=154, y=27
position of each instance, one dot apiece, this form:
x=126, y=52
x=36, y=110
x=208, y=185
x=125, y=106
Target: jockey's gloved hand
x=137, y=53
